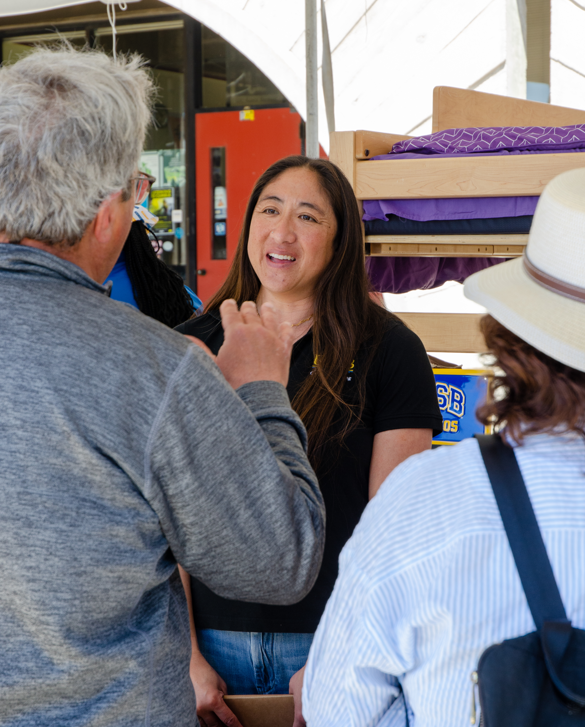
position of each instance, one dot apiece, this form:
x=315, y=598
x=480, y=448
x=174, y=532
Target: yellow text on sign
x=450, y=425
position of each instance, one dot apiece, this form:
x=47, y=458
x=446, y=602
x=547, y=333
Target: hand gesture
x=256, y=347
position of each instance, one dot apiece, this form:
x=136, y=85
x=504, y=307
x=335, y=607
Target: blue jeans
x=251, y=662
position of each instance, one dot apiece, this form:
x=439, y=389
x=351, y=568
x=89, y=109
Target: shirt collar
x=33, y=262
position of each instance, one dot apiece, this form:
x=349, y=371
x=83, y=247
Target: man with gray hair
x=123, y=451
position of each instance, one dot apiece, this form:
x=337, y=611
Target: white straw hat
x=541, y=296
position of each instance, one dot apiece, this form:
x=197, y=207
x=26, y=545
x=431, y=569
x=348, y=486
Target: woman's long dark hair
x=159, y=291
x=344, y=318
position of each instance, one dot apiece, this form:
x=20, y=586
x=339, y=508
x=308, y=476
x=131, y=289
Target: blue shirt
x=122, y=287
x=427, y=582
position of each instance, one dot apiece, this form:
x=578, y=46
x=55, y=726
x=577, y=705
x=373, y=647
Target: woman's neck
x=294, y=311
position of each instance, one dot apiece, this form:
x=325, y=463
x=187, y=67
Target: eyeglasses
x=144, y=183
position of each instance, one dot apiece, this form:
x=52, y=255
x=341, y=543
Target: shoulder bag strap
x=528, y=549
x=530, y=556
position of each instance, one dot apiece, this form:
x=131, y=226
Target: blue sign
x=219, y=229
x=460, y=392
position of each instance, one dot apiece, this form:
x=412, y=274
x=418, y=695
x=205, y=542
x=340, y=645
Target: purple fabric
x=403, y=274
x=495, y=138
x=501, y=152
x=460, y=208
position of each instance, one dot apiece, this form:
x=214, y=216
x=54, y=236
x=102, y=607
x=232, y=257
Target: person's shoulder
x=432, y=469
x=396, y=343
x=439, y=487
x=139, y=330
x=397, y=333
x=428, y=502
x=201, y=326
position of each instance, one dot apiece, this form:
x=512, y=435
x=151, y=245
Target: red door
x=233, y=148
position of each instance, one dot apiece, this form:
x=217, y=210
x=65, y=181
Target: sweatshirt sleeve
x=228, y=476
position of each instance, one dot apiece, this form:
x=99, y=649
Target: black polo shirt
x=400, y=394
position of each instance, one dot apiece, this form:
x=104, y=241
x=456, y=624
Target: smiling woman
x=291, y=238
x=360, y=381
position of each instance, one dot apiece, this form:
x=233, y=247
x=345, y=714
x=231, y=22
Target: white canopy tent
x=387, y=55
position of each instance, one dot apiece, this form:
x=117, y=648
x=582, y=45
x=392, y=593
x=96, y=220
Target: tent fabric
x=370, y=42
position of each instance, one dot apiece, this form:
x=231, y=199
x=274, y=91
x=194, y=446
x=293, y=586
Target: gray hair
x=72, y=127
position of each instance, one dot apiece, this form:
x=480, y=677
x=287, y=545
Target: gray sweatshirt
x=122, y=452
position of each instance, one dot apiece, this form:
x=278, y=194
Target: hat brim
x=548, y=321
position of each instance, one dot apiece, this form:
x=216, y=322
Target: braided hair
x=159, y=291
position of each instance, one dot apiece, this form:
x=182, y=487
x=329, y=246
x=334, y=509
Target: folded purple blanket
x=472, y=208
x=495, y=138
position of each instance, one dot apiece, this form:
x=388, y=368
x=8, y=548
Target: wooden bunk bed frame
x=484, y=176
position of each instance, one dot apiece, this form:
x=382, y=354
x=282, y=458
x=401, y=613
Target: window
x=230, y=79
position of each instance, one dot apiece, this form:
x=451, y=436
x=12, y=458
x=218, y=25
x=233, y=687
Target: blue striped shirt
x=428, y=581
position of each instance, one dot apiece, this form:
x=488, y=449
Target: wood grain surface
x=447, y=332
x=484, y=176
x=458, y=108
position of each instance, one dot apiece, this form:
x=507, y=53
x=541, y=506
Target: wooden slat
x=456, y=108
x=447, y=332
x=342, y=152
x=382, y=250
x=451, y=239
x=484, y=176
x=371, y=143
x=508, y=250
x=415, y=250
x=446, y=245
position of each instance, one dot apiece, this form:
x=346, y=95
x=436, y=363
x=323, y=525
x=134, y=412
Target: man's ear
x=105, y=222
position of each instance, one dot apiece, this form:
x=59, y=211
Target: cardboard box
x=262, y=710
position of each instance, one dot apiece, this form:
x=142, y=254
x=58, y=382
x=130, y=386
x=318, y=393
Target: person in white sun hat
x=428, y=581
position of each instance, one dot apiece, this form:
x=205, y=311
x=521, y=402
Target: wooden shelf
x=447, y=332
x=445, y=245
x=482, y=176
x=369, y=144
x=435, y=177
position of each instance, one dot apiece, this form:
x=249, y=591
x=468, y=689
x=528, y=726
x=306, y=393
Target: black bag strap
x=530, y=556
x=528, y=549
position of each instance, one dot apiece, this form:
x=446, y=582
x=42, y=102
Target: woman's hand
x=209, y=691
x=295, y=687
